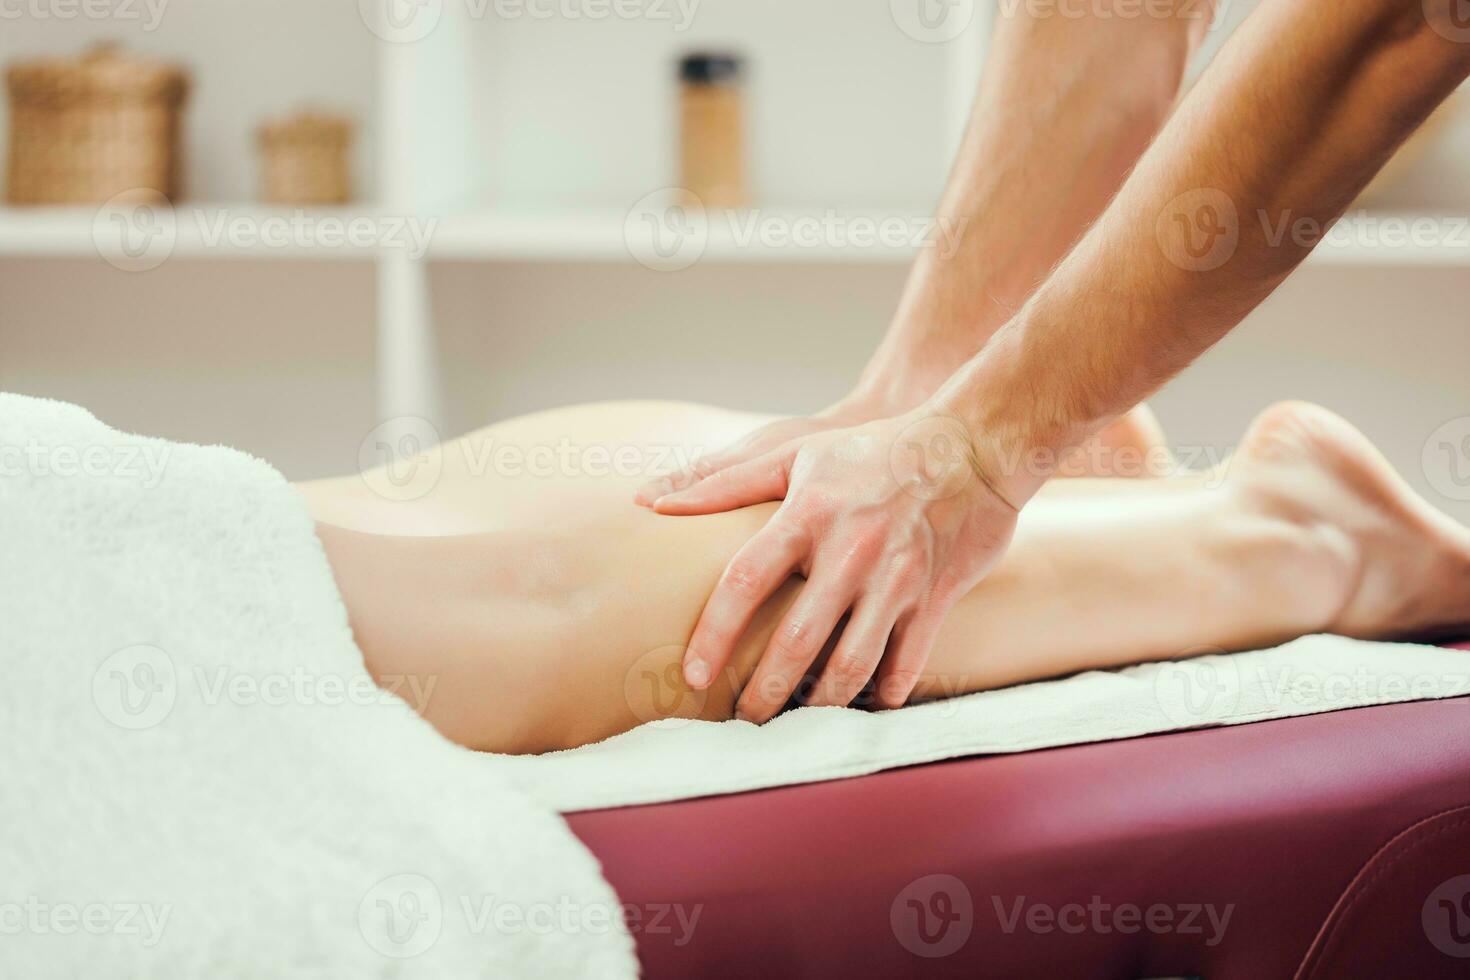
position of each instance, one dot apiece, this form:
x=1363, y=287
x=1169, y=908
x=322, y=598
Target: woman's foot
x=1400, y=568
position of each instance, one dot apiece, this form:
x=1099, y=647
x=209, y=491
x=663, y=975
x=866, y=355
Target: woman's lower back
x=548, y=469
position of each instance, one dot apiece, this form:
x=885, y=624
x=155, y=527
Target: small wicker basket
x=304, y=159
x=85, y=130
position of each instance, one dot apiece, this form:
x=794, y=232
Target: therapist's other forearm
x=1301, y=108
x=1065, y=108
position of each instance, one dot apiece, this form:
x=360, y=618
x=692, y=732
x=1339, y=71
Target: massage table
x=1333, y=840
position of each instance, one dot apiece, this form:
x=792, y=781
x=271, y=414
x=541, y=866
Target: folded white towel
x=674, y=760
x=201, y=779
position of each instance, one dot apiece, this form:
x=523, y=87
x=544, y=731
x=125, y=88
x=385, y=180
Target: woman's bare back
x=549, y=469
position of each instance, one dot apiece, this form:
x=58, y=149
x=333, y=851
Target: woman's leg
x=547, y=639
x=1310, y=531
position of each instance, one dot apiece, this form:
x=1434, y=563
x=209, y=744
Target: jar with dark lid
x=712, y=129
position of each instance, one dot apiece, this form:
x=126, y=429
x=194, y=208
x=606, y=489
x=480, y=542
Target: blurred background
x=506, y=161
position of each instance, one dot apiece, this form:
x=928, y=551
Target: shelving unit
x=449, y=144
x=473, y=164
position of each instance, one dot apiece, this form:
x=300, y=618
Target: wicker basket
x=86, y=130
x=304, y=159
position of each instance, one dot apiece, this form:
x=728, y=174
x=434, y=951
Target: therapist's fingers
x=908, y=652
x=662, y=486
x=757, y=570
x=753, y=482
x=758, y=443
x=803, y=632
x=858, y=654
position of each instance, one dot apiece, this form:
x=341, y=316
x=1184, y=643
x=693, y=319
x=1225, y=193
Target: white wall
x=843, y=109
x=277, y=358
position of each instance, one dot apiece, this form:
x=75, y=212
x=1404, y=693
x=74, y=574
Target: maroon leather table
x=1335, y=843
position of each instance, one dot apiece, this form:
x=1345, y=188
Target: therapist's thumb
x=665, y=485
x=752, y=482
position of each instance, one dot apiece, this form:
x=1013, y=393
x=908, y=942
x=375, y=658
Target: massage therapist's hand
x=854, y=409
x=892, y=521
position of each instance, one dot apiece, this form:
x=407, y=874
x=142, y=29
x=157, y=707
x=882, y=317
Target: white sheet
x=199, y=777
x=684, y=759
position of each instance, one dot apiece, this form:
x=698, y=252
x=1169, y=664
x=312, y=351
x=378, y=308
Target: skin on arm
x=1064, y=110
x=1297, y=113
x=1032, y=173
x=1302, y=107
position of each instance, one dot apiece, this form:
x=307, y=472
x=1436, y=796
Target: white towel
x=199, y=777
x=679, y=759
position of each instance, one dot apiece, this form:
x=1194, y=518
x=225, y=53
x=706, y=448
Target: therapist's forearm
x=1065, y=108
x=1298, y=112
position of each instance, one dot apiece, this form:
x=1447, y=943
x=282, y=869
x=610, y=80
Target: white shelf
x=201, y=231
x=524, y=236
x=1392, y=239
x=767, y=235
x=1383, y=239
